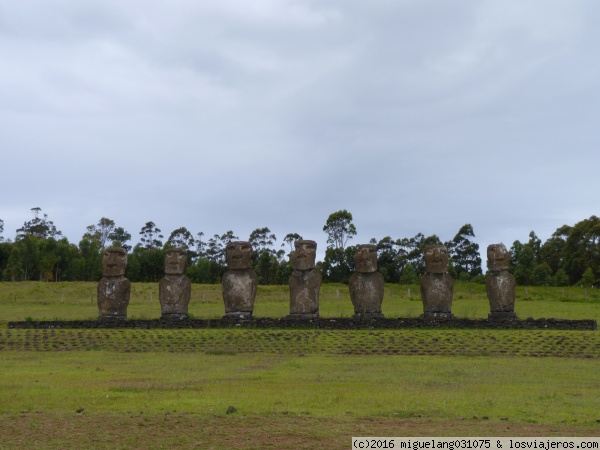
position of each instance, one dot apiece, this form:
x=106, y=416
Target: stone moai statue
x=305, y=282
x=366, y=284
x=500, y=284
x=113, y=288
x=239, y=282
x=437, y=286
x=175, y=288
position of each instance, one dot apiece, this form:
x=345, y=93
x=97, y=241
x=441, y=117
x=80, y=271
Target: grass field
x=105, y=388
x=77, y=301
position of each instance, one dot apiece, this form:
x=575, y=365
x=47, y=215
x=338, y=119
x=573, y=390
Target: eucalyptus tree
x=151, y=237
x=40, y=226
x=181, y=238
x=465, y=253
x=339, y=229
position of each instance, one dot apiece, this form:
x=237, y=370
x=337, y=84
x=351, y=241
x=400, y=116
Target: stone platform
x=324, y=323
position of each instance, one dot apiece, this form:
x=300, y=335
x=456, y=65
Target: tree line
x=40, y=252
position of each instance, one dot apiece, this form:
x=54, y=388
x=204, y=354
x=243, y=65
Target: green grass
x=540, y=343
x=77, y=301
x=316, y=385
x=126, y=388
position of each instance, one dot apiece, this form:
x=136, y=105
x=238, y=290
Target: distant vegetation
x=39, y=252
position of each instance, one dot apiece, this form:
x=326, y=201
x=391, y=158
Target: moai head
x=304, y=255
x=114, y=262
x=175, y=261
x=498, y=257
x=365, y=258
x=436, y=258
x=239, y=255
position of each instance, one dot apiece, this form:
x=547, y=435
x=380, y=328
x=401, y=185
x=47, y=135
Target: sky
x=416, y=116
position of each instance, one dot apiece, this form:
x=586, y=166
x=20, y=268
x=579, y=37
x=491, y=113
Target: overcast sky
x=415, y=116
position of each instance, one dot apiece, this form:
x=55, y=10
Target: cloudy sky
x=414, y=115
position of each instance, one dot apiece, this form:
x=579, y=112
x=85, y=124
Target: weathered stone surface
x=238, y=255
x=366, y=293
x=500, y=284
x=304, y=254
x=175, y=288
x=239, y=292
x=366, y=285
x=305, y=281
x=239, y=282
x=437, y=286
x=365, y=259
x=437, y=290
x=344, y=323
x=498, y=257
x=305, y=286
x=113, y=289
x=436, y=258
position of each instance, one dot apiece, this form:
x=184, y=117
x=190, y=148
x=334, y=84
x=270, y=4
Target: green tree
x=200, y=245
x=151, y=237
x=587, y=279
x=5, y=250
x=216, y=245
x=552, y=251
x=14, y=267
x=542, y=275
x=101, y=232
x=148, y=265
x=119, y=237
x=263, y=240
x=411, y=251
x=387, y=259
x=465, y=253
x=536, y=244
x=561, y=278
x=40, y=227
x=525, y=266
x=339, y=229
x=1, y=230
x=181, y=238
x=265, y=258
x=89, y=266
x=515, y=253
x=289, y=239
x=201, y=272
x=582, y=249
x=338, y=264
x=266, y=268
x=409, y=275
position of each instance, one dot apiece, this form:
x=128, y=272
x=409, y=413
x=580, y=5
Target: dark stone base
x=368, y=316
x=502, y=315
x=238, y=315
x=329, y=323
x=173, y=317
x=437, y=316
x=112, y=319
x=303, y=316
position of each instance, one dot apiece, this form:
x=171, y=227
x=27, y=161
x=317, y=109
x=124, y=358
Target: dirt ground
x=28, y=430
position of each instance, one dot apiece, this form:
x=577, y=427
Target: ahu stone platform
x=322, y=323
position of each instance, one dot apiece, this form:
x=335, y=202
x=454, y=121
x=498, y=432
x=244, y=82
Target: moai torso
x=500, y=285
x=175, y=288
x=436, y=292
x=239, y=291
x=239, y=282
x=304, y=293
x=437, y=286
x=305, y=281
x=366, y=284
x=113, y=289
